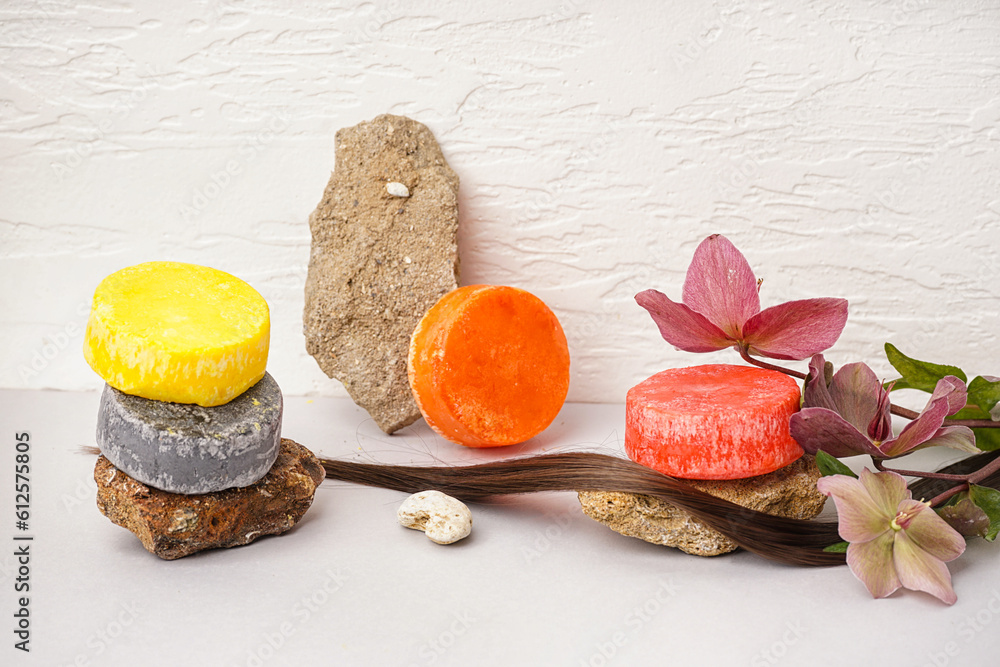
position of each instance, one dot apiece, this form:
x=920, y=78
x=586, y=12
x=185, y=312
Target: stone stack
x=189, y=423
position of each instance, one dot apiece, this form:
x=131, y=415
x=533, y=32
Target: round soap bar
x=184, y=448
x=178, y=332
x=489, y=366
x=712, y=422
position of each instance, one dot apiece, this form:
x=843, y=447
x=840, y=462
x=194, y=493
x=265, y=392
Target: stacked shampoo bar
x=188, y=407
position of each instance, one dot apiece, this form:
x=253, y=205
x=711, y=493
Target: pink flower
x=894, y=540
x=722, y=309
x=848, y=414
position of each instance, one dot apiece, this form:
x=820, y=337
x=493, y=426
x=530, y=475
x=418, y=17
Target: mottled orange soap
x=489, y=366
x=712, y=422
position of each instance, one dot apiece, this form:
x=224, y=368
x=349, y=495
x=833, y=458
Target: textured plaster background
x=848, y=148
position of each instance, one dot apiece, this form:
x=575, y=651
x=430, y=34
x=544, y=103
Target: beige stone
x=380, y=260
x=789, y=492
x=174, y=525
x=443, y=519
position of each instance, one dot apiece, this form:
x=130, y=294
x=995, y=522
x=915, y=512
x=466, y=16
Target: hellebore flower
x=848, y=414
x=894, y=540
x=722, y=309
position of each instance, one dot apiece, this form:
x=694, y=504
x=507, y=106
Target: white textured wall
x=848, y=148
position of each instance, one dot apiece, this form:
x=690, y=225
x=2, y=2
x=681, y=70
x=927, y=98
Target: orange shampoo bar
x=712, y=422
x=489, y=366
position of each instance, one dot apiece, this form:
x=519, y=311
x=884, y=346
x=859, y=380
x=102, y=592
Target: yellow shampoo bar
x=178, y=332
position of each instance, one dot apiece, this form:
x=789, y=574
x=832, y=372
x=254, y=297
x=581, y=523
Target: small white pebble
x=397, y=189
x=442, y=518
x=407, y=260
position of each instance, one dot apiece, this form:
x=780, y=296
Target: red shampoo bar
x=712, y=422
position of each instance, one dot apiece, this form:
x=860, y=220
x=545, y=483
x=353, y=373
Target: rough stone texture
x=442, y=518
x=173, y=525
x=789, y=492
x=185, y=448
x=379, y=261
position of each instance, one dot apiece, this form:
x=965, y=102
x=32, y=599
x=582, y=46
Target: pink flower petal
x=931, y=533
x=919, y=432
x=918, y=570
x=957, y=437
x=721, y=286
x=816, y=392
x=856, y=392
x=953, y=390
x=859, y=518
x=818, y=428
x=680, y=326
x=887, y=490
x=796, y=329
x=872, y=563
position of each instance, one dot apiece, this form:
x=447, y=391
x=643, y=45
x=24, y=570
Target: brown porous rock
x=789, y=492
x=174, y=525
x=384, y=250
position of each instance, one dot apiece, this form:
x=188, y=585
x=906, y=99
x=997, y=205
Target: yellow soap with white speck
x=170, y=331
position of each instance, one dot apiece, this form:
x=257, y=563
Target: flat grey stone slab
x=189, y=449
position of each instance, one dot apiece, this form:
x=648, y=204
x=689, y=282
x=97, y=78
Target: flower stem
x=771, y=367
x=903, y=412
x=963, y=480
x=921, y=473
x=972, y=423
x=941, y=497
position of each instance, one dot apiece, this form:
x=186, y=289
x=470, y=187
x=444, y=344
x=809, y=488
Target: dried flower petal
x=680, y=326
x=721, y=309
x=818, y=428
x=872, y=563
x=894, y=540
x=861, y=517
x=853, y=389
x=856, y=396
x=721, y=286
x=926, y=429
x=919, y=570
x=796, y=329
x=887, y=490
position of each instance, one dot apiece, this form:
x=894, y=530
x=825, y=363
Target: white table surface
x=537, y=583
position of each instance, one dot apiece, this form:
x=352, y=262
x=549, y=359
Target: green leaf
x=829, y=465
x=987, y=439
x=984, y=393
x=916, y=374
x=898, y=383
x=988, y=500
x=838, y=548
x=965, y=516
